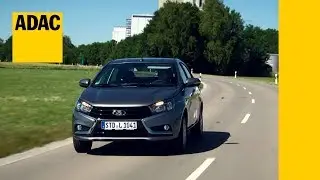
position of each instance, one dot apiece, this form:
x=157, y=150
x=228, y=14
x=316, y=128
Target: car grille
x=131, y=112
x=139, y=132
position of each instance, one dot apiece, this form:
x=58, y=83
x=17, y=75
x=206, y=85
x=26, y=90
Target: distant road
x=240, y=143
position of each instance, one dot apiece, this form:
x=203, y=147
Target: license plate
x=118, y=125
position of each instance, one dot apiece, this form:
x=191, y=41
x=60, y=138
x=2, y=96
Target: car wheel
x=180, y=143
x=198, y=128
x=82, y=146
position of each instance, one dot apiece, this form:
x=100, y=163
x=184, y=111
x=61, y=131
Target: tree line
x=214, y=40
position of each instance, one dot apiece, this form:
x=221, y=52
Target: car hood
x=124, y=96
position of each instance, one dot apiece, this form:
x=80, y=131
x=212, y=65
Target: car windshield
x=136, y=74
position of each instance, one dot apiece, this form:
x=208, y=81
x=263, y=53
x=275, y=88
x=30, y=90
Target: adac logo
x=37, y=37
x=31, y=22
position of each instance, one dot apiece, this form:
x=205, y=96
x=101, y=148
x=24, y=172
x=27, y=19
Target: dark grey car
x=155, y=99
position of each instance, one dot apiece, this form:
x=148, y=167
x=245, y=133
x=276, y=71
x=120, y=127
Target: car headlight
x=83, y=106
x=162, y=106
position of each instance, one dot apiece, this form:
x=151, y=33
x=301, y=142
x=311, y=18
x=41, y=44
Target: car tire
x=179, y=144
x=198, y=128
x=82, y=146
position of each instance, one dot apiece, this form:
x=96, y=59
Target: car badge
x=118, y=112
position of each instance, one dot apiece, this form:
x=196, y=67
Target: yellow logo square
x=37, y=37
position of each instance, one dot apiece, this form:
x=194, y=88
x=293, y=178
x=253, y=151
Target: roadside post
x=200, y=77
x=235, y=74
x=276, y=78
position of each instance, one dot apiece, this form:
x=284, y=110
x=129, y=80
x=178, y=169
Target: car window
x=186, y=70
x=182, y=73
x=146, y=74
x=107, y=75
x=112, y=76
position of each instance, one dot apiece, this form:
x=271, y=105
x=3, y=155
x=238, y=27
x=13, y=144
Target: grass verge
x=267, y=80
x=9, y=65
x=36, y=106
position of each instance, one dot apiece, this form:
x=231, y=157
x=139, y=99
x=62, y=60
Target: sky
x=88, y=21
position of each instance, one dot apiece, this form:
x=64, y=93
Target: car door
x=195, y=93
x=188, y=95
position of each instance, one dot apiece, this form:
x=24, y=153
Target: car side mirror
x=84, y=83
x=192, y=82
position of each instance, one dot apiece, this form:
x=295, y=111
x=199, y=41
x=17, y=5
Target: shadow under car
x=210, y=140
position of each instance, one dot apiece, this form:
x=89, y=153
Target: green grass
x=268, y=80
x=36, y=106
x=44, y=66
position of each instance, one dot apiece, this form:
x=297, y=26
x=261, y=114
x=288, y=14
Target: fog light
x=166, y=127
x=79, y=127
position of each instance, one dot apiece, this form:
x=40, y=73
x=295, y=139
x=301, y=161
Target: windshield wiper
x=146, y=85
x=132, y=85
x=135, y=84
x=106, y=85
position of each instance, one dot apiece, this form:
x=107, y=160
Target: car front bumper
x=150, y=128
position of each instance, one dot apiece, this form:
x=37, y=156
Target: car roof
x=145, y=59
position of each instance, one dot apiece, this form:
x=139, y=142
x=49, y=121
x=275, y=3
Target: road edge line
x=34, y=152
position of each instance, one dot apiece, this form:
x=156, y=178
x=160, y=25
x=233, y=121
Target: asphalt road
x=240, y=143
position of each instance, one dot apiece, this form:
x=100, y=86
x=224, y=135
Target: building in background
x=119, y=33
x=134, y=25
x=198, y=3
x=273, y=61
x=138, y=23
x=128, y=27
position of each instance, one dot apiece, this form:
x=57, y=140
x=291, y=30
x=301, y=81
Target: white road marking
x=34, y=152
x=250, y=93
x=245, y=119
x=231, y=82
x=253, y=101
x=244, y=88
x=201, y=169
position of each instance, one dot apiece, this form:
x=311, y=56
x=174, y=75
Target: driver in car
x=164, y=76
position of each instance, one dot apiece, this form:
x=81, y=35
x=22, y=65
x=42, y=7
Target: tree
x=7, y=49
x=173, y=32
x=2, y=55
x=106, y=51
x=255, y=52
x=234, y=43
x=222, y=30
x=135, y=46
x=69, y=51
x=96, y=53
x=272, y=40
x=212, y=25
